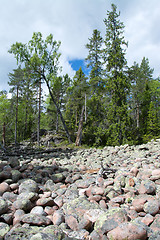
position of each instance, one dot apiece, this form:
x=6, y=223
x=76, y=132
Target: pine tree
x=4, y=117
x=95, y=102
x=76, y=100
x=94, y=60
x=16, y=80
x=117, y=81
x=141, y=95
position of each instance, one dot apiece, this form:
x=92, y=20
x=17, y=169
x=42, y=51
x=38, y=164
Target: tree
x=16, y=80
x=59, y=87
x=141, y=93
x=117, y=82
x=95, y=102
x=43, y=58
x=4, y=115
x=76, y=100
x=94, y=60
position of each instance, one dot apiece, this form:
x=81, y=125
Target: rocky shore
x=59, y=194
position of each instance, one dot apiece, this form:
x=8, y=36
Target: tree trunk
x=79, y=134
x=58, y=110
x=16, y=122
x=57, y=122
x=85, y=108
x=137, y=115
x=39, y=114
x=4, y=134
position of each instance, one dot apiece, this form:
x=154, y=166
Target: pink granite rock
x=129, y=231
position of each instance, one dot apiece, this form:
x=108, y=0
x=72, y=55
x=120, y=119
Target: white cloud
x=72, y=22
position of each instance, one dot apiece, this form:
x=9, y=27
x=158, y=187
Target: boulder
x=110, y=220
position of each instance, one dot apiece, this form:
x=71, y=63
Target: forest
x=115, y=104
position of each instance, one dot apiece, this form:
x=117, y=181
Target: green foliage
x=121, y=103
x=76, y=99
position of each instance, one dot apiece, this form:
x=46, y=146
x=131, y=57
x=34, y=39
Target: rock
x=14, y=186
x=58, y=217
x=13, y=162
x=129, y=231
x=58, y=177
x=97, y=235
x=10, y=196
x=28, y=186
x=80, y=234
x=134, y=171
x=59, y=201
x=23, y=204
x=97, y=190
x=155, y=236
x=23, y=233
x=110, y=220
x=78, y=206
x=151, y=207
x=155, y=172
x=50, y=185
x=3, y=206
x=16, y=175
x=95, y=198
x=45, y=202
x=72, y=222
x=93, y=214
x=103, y=204
x=32, y=196
x=38, y=210
x=42, y=236
x=4, y=229
x=138, y=203
x=5, y=175
x=148, y=219
x=59, y=193
x=148, y=187
x=4, y=187
x=35, y=219
x=81, y=183
x=85, y=224
x=119, y=199
x=155, y=226
x=17, y=216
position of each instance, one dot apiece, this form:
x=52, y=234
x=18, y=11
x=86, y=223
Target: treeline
x=114, y=105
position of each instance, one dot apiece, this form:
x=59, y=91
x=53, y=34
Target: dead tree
x=79, y=133
x=104, y=171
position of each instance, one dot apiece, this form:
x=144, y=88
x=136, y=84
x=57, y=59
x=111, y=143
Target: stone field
x=59, y=194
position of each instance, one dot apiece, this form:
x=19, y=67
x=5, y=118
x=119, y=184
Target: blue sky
x=77, y=63
x=72, y=22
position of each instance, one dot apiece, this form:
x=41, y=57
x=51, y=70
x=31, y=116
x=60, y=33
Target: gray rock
x=32, y=196
x=35, y=219
x=4, y=229
x=22, y=233
x=16, y=175
x=28, y=186
x=3, y=206
x=38, y=210
x=23, y=204
x=49, y=185
x=13, y=162
x=10, y=196
x=151, y=207
x=78, y=206
x=155, y=236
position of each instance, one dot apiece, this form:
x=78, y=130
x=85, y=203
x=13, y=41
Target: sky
x=72, y=22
